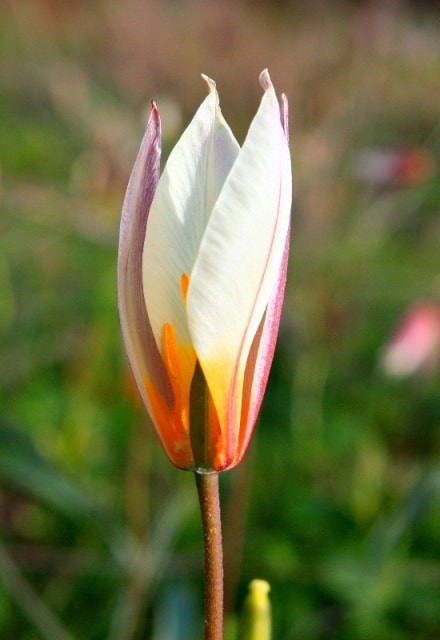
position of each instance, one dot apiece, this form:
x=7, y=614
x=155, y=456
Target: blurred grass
x=338, y=504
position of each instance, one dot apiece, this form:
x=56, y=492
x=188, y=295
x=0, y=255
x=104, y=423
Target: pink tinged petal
x=240, y=260
x=139, y=342
x=187, y=190
x=263, y=348
x=285, y=116
x=260, y=358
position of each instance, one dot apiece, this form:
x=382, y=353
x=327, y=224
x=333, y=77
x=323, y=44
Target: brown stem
x=208, y=491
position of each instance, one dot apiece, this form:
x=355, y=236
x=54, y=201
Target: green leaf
x=24, y=468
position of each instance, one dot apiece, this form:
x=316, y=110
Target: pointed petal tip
x=211, y=84
x=154, y=113
x=266, y=83
x=265, y=80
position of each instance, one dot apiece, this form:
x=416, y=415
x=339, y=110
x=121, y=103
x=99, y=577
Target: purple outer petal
x=140, y=344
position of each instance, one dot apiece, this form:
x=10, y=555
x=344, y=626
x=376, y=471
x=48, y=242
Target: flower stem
x=208, y=492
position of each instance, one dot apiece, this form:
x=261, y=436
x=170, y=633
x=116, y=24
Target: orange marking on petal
x=184, y=285
x=170, y=430
x=160, y=410
x=170, y=351
x=244, y=427
x=179, y=362
x=172, y=364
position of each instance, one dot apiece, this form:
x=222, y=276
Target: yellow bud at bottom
x=257, y=614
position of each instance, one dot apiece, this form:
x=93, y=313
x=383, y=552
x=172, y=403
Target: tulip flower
x=201, y=274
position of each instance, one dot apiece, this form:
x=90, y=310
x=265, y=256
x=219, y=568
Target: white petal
x=187, y=190
x=240, y=255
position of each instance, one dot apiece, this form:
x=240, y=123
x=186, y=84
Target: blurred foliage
x=338, y=503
